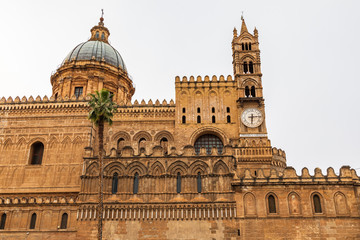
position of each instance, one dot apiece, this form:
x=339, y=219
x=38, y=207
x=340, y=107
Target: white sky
x=309, y=51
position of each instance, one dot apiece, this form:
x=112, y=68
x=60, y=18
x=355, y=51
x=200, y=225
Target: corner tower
x=255, y=148
x=91, y=66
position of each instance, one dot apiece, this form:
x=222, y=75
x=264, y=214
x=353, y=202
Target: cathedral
x=199, y=167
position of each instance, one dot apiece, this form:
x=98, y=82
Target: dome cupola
x=91, y=66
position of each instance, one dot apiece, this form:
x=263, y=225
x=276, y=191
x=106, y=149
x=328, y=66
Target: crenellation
x=289, y=175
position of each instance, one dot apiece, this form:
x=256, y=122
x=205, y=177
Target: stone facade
x=201, y=167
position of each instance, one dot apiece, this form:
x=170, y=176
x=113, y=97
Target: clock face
x=252, y=117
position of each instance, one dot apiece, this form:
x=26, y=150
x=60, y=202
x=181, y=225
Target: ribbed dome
x=96, y=50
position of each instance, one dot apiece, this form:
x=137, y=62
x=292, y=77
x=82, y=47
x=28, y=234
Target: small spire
x=243, y=26
x=101, y=23
x=255, y=32
x=235, y=32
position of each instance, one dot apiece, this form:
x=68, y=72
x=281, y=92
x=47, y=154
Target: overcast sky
x=309, y=54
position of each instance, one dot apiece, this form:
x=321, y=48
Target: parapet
x=289, y=176
x=206, y=81
x=43, y=103
x=150, y=103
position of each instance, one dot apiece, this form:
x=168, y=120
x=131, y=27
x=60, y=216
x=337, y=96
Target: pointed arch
x=294, y=203
x=136, y=167
x=114, y=167
x=20, y=143
x=247, y=57
x=53, y=141
x=8, y=144
x=66, y=141
x=178, y=166
x=272, y=203
x=341, y=205
x=250, y=204
x=220, y=167
x=77, y=140
x=198, y=166
x=93, y=169
x=249, y=82
x=317, y=203
x=157, y=168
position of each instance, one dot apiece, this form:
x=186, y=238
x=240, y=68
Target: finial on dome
x=101, y=23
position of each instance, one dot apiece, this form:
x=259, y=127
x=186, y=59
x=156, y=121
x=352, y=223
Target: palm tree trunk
x=101, y=177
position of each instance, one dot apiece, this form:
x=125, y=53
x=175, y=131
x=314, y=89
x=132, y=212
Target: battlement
x=45, y=99
x=81, y=101
x=150, y=103
x=289, y=175
x=206, y=81
x=278, y=152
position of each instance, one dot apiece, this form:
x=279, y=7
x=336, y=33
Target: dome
x=96, y=50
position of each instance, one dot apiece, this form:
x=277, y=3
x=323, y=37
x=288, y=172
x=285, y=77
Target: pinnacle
x=243, y=26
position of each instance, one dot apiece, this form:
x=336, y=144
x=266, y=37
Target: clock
x=252, y=117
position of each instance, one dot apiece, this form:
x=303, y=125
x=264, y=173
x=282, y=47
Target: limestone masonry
x=199, y=167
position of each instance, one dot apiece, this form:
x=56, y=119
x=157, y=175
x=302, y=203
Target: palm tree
x=102, y=110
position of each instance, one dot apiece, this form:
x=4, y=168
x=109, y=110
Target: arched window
x=102, y=36
x=213, y=119
x=245, y=65
x=228, y=119
x=178, y=183
x=271, y=204
x=33, y=221
x=198, y=110
x=208, y=141
x=317, y=203
x=251, y=67
x=3, y=221
x=198, y=181
x=253, y=93
x=120, y=143
x=213, y=110
x=184, y=110
x=136, y=183
x=243, y=46
x=247, y=91
x=64, y=220
x=36, y=153
x=164, y=144
x=227, y=109
x=249, y=46
x=114, y=186
x=142, y=143
x=198, y=119
x=56, y=95
x=246, y=46
x=97, y=35
x=183, y=119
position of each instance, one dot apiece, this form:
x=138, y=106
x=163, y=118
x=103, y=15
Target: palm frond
x=102, y=107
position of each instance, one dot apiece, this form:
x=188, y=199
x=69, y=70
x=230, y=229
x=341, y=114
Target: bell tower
x=255, y=150
x=247, y=73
